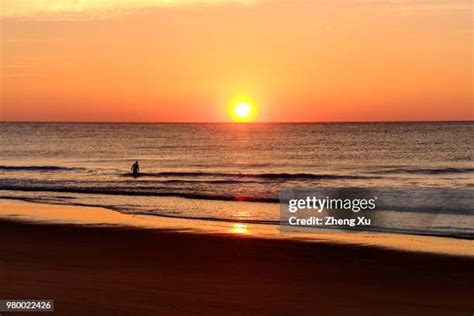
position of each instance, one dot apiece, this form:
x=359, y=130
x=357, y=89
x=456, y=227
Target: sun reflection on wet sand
x=241, y=229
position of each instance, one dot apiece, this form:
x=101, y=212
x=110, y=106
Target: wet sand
x=130, y=271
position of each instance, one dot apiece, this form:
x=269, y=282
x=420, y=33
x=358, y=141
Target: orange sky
x=299, y=60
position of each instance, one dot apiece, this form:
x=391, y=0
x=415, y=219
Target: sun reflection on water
x=240, y=229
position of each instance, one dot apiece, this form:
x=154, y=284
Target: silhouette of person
x=135, y=169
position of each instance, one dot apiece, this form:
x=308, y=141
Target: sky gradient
x=186, y=61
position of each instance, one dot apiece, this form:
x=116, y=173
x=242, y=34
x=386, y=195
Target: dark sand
x=118, y=271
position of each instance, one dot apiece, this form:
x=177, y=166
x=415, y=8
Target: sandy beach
x=90, y=270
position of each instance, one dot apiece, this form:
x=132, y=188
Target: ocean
x=235, y=172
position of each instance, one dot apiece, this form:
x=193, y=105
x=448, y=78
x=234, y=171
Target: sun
x=242, y=111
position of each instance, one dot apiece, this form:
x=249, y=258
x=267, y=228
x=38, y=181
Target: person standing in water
x=135, y=169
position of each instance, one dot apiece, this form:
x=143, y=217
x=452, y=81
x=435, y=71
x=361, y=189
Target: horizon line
x=231, y=122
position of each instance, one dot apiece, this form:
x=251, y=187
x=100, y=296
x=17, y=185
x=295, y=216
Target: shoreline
x=41, y=213
x=242, y=221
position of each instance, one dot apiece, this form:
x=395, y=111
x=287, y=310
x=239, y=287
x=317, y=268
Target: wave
x=268, y=176
x=142, y=192
x=39, y=168
x=455, y=201
x=427, y=171
x=195, y=181
x=265, y=176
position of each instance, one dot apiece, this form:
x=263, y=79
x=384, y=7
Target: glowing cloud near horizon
x=86, y=9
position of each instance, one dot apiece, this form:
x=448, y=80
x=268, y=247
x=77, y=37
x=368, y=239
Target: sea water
x=235, y=172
